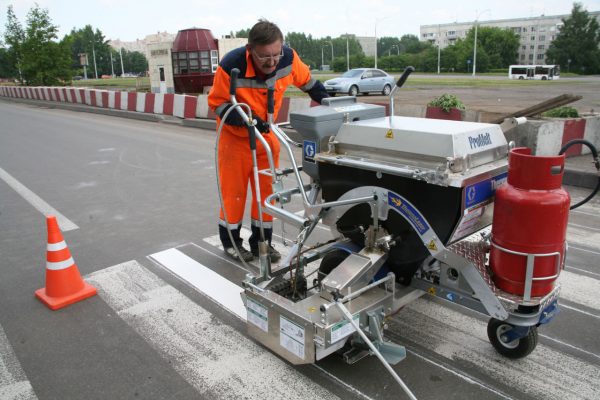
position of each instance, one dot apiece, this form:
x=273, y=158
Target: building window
x=540, y=56
x=531, y=57
x=532, y=29
x=532, y=47
x=524, y=29
x=542, y=38
x=214, y=59
x=533, y=38
x=522, y=56
x=523, y=47
x=541, y=47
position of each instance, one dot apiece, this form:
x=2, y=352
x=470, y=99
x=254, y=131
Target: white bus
x=543, y=72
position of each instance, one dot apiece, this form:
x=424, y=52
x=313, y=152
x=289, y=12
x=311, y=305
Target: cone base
x=55, y=303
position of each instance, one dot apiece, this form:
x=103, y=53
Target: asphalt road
x=132, y=190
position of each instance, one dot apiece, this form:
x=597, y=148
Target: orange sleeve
x=301, y=72
x=219, y=95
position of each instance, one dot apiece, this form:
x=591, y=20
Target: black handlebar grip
x=271, y=100
x=404, y=76
x=252, y=137
x=233, y=83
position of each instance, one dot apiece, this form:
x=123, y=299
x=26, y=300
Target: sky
x=129, y=20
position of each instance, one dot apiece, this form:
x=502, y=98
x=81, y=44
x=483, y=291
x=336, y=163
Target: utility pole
x=95, y=68
x=121, y=54
x=112, y=68
x=439, y=52
x=347, y=54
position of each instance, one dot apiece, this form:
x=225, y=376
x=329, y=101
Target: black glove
x=262, y=126
x=235, y=119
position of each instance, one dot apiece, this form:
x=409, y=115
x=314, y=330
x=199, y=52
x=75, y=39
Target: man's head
x=265, y=43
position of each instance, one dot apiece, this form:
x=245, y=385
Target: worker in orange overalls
x=264, y=62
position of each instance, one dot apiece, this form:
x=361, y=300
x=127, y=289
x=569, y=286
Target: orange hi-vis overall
x=234, y=156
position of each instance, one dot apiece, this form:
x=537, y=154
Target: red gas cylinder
x=530, y=218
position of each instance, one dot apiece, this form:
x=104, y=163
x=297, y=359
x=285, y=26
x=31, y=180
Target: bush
x=447, y=102
x=562, y=112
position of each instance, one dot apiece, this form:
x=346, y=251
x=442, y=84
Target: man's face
x=266, y=56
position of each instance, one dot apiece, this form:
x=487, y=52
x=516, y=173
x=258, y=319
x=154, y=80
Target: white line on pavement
x=64, y=223
x=14, y=384
x=213, y=357
x=545, y=373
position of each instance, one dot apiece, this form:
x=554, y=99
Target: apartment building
x=536, y=34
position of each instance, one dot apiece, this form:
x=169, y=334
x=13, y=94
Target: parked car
x=361, y=80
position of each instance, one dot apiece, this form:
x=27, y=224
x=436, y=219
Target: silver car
x=361, y=80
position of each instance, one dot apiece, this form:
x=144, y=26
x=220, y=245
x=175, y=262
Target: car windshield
x=352, y=73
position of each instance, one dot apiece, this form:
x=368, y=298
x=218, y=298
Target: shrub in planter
x=447, y=106
x=562, y=112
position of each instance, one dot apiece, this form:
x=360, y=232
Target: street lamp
x=377, y=20
x=477, y=15
x=331, y=43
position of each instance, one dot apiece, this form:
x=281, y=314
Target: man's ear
x=248, y=47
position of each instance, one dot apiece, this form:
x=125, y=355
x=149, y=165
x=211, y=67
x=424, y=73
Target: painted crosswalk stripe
x=463, y=339
x=213, y=357
x=204, y=279
x=14, y=384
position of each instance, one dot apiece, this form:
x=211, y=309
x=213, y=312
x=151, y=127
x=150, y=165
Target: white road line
x=584, y=250
x=580, y=289
x=213, y=357
x=584, y=271
x=589, y=314
x=589, y=353
x=545, y=373
x=221, y=290
x=14, y=384
x=63, y=222
x=584, y=227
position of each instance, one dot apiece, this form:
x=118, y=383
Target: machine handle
x=271, y=100
x=233, y=83
x=404, y=76
x=252, y=136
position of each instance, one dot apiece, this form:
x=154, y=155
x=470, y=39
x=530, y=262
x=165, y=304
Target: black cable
x=596, y=163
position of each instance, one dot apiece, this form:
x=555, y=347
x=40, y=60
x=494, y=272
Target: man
x=264, y=62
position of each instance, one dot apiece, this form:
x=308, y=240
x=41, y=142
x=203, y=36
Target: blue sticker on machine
x=413, y=216
x=481, y=192
x=309, y=150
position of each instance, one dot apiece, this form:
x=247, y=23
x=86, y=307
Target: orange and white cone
x=64, y=285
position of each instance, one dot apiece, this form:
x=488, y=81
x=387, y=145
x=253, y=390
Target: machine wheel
x=386, y=90
x=518, y=348
x=353, y=90
x=521, y=78
x=544, y=78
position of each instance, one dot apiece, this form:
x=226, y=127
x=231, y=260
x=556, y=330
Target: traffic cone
x=64, y=285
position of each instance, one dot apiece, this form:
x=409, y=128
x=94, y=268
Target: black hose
x=596, y=163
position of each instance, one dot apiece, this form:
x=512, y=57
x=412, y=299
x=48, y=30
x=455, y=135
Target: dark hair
x=264, y=32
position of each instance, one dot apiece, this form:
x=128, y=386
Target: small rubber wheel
x=353, y=91
x=517, y=348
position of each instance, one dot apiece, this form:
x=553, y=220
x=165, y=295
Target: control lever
x=401, y=80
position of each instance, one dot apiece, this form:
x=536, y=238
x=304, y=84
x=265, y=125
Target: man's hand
x=262, y=126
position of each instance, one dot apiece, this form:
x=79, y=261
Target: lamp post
x=477, y=15
x=347, y=53
x=377, y=20
x=439, y=39
x=331, y=43
x=397, y=48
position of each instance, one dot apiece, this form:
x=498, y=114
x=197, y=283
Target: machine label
x=309, y=149
x=343, y=329
x=481, y=192
x=481, y=140
x=410, y=213
x=257, y=314
x=291, y=337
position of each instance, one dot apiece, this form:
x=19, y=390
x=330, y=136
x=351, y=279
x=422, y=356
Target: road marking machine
x=416, y=206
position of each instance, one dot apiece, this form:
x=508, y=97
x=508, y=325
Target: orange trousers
x=235, y=172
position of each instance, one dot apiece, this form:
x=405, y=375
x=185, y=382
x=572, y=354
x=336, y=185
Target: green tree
x=576, y=45
x=7, y=67
x=500, y=45
x=242, y=33
x=36, y=51
x=14, y=36
x=93, y=43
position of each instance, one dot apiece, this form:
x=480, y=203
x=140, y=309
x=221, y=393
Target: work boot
x=246, y=255
x=274, y=255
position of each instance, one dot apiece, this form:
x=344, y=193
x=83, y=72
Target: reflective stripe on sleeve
x=309, y=85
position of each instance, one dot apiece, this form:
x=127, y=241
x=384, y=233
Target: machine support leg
x=364, y=337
